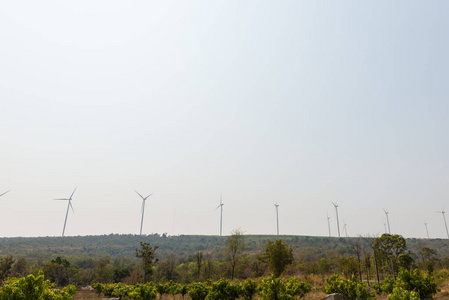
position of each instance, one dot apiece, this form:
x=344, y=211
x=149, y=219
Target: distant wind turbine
x=427, y=230
x=336, y=212
x=221, y=215
x=344, y=228
x=69, y=204
x=388, y=221
x=143, y=208
x=5, y=193
x=329, y=225
x=445, y=224
x=277, y=216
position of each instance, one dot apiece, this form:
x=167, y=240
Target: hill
x=124, y=246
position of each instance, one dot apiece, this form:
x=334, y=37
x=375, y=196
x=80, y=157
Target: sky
x=303, y=103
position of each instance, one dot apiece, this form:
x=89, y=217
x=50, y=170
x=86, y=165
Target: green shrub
x=401, y=294
x=348, y=288
x=34, y=288
x=198, y=291
x=297, y=289
x=418, y=281
x=273, y=288
x=249, y=289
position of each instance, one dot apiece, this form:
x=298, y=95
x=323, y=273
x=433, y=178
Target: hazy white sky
x=300, y=102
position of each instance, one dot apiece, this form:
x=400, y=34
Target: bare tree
x=234, y=248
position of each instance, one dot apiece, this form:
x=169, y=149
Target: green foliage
x=296, y=288
x=385, y=287
x=279, y=256
x=143, y=292
x=173, y=288
x=348, y=288
x=273, y=288
x=401, y=294
x=390, y=247
x=224, y=290
x=5, y=267
x=34, y=288
x=147, y=254
x=249, y=289
x=197, y=291
x=122, y=291
x=418, y=281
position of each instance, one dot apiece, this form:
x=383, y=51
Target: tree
x=5, y=267
x=279, y=256
x=358, y=246
x=19, y=268
x=234, y=248
x=57, y=271
x=147, y=254
x=390, y=247
x=199, y=261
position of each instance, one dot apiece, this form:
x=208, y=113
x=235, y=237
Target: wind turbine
x=329, y=225
x=221, y=214
x=143, y=208
x=344, y=228
x=5, y=193
x=338, y=224
x=68, y=205
x=388, y=221
x=445, y=224
x=277, y=216
x=427, y=230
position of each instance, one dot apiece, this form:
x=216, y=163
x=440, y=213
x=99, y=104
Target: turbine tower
x=277, y=217
x=143, y=208
x=69, y=204
x=427, y=230
x=336, y=212
x=388, y=221
x=221, y=214
x=344, y=228
x=445, y=224
x=5, y=193
x=329, y=225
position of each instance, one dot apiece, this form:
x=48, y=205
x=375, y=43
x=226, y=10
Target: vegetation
x=34, y=288
x=233, y=267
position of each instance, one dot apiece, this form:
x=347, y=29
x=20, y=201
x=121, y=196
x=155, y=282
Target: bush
x=401, y=294
x=348, y=288
x=249, y=289
x=297, y=289
x=273, y=288
x=197, y=291
x=224, y=290
x=34, y=288
x=418, y=281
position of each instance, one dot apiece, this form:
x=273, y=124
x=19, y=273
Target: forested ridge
x=124, y=245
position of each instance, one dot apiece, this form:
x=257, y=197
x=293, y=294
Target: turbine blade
x=62, y=199
x=73, y=193
x=218, y=207
x=5, y=193
x=148, y=196
x=139, y=195
x=70, y=203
